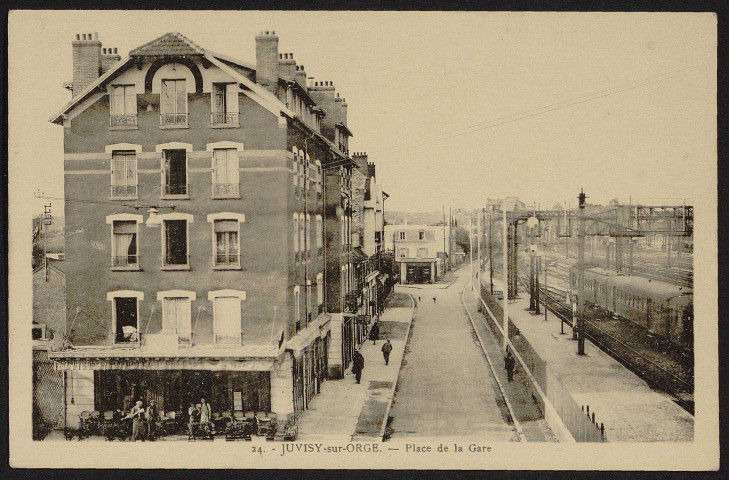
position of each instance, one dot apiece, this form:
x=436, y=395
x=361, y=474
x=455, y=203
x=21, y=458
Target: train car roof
x=655, y=289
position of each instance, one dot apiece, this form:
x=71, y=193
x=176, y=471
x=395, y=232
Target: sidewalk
x=345, y=411
x=630, y=409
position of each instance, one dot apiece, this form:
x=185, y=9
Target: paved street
x=445, y=387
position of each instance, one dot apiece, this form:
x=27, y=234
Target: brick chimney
x=300, y=76
x=86, y=61
x=370, y=168
x=360, y=160
x=109, y=57
x=341, y=107
x=267, y=67
x=286, y=65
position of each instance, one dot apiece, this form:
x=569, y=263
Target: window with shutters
x=227, y=320
x=320, y=291
x=296, y=233
x=124, y=246
x=124, y=182
x=123, y=112
x=402, y=235
x=173, y=107
x=225, y=105
x=319, y=235
x=225, y=173
x=176, y=318
x=125, y=315
x=422, y=252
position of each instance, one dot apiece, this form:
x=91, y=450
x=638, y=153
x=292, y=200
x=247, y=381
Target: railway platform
x=630, y=410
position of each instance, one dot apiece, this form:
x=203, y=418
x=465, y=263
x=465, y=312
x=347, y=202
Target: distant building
x=421, y=251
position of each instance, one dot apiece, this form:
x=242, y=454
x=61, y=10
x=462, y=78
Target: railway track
x=657, y=364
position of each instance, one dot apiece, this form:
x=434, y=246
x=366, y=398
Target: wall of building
x=265, y=178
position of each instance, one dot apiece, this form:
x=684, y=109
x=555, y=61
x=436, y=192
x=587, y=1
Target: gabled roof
x=172, y=43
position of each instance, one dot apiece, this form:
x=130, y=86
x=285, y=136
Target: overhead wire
x=536, y=111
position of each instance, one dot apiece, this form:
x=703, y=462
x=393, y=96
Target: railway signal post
x=581, y=276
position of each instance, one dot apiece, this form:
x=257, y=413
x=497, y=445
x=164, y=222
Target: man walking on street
x=374, y=333
x=509, y=363
x=386, y=349
x=357, y=365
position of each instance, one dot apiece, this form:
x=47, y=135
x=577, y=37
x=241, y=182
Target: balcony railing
x=231, y=260
x=226, y=190
x=125, y=261
x=124, y=191
x=123, y=120
x=224, y=119
x=176, y=189
x=172, y=259
x=173, y=119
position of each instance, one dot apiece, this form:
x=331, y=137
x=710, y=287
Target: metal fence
x=580, y=422
x=48, y=389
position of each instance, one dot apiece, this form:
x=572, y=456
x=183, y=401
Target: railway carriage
x=662, y=308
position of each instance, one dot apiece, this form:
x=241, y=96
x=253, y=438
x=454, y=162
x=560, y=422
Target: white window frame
x=213, y=295
x=229, y=110
x=236, y=173
x=319, y=231
x=402, y=235
x=190, y=295
x=187, y=105
x=320, y=289
x=126, y=87
x=297, y=306
x=174, y=216
x=296, y=233
x=123, y=217
x=111, y=297
x=421, y=235
x=307, y=232
x=302, y=234
x=212, y=218
x=135, y=196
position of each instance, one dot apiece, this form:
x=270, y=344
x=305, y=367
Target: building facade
x=205, y=191
x=421, y=251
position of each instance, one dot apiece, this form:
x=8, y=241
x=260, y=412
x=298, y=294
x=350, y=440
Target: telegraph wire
x=539, y=111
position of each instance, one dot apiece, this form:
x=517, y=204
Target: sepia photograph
x=422, y=240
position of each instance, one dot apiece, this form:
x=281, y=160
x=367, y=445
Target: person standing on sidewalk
x=357, y=365
x=375, y=333
x=509, y=364
x=386, y=349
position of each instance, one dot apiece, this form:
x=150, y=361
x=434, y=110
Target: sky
x=454, y=108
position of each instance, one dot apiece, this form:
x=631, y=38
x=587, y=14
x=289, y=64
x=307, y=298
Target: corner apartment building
x=421, y=251
x=205, y=191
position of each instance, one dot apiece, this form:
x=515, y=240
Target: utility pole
x=444, y=242
x=505, y=260
x=546, y=293
x=581, y=276
x=47, y=220
x=491, y=256
x=470, y=245
x=478, y=243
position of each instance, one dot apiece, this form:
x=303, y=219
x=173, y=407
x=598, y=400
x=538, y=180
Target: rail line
x=681, y=389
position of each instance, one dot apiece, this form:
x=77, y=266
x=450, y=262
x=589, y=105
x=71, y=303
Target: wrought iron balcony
x=230, y=260
x=173, y=119
x=176, y=189
x=123, y=120
x=224, y=118
x=226, y=190
x=121, y=261
x=124, y=191
x=173, y=259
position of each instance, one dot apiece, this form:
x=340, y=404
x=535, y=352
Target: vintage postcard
x=409, y=240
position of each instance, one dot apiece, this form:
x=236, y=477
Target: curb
x=394, y=386
x=517, y=425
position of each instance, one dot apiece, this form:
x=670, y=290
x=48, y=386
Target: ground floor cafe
x=101, y=381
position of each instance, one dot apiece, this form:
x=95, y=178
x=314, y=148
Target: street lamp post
x=581, y=277
x=505, y=260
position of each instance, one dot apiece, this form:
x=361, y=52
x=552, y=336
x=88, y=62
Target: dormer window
x=173, y=107
x=123, y=112
x=225, y=105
